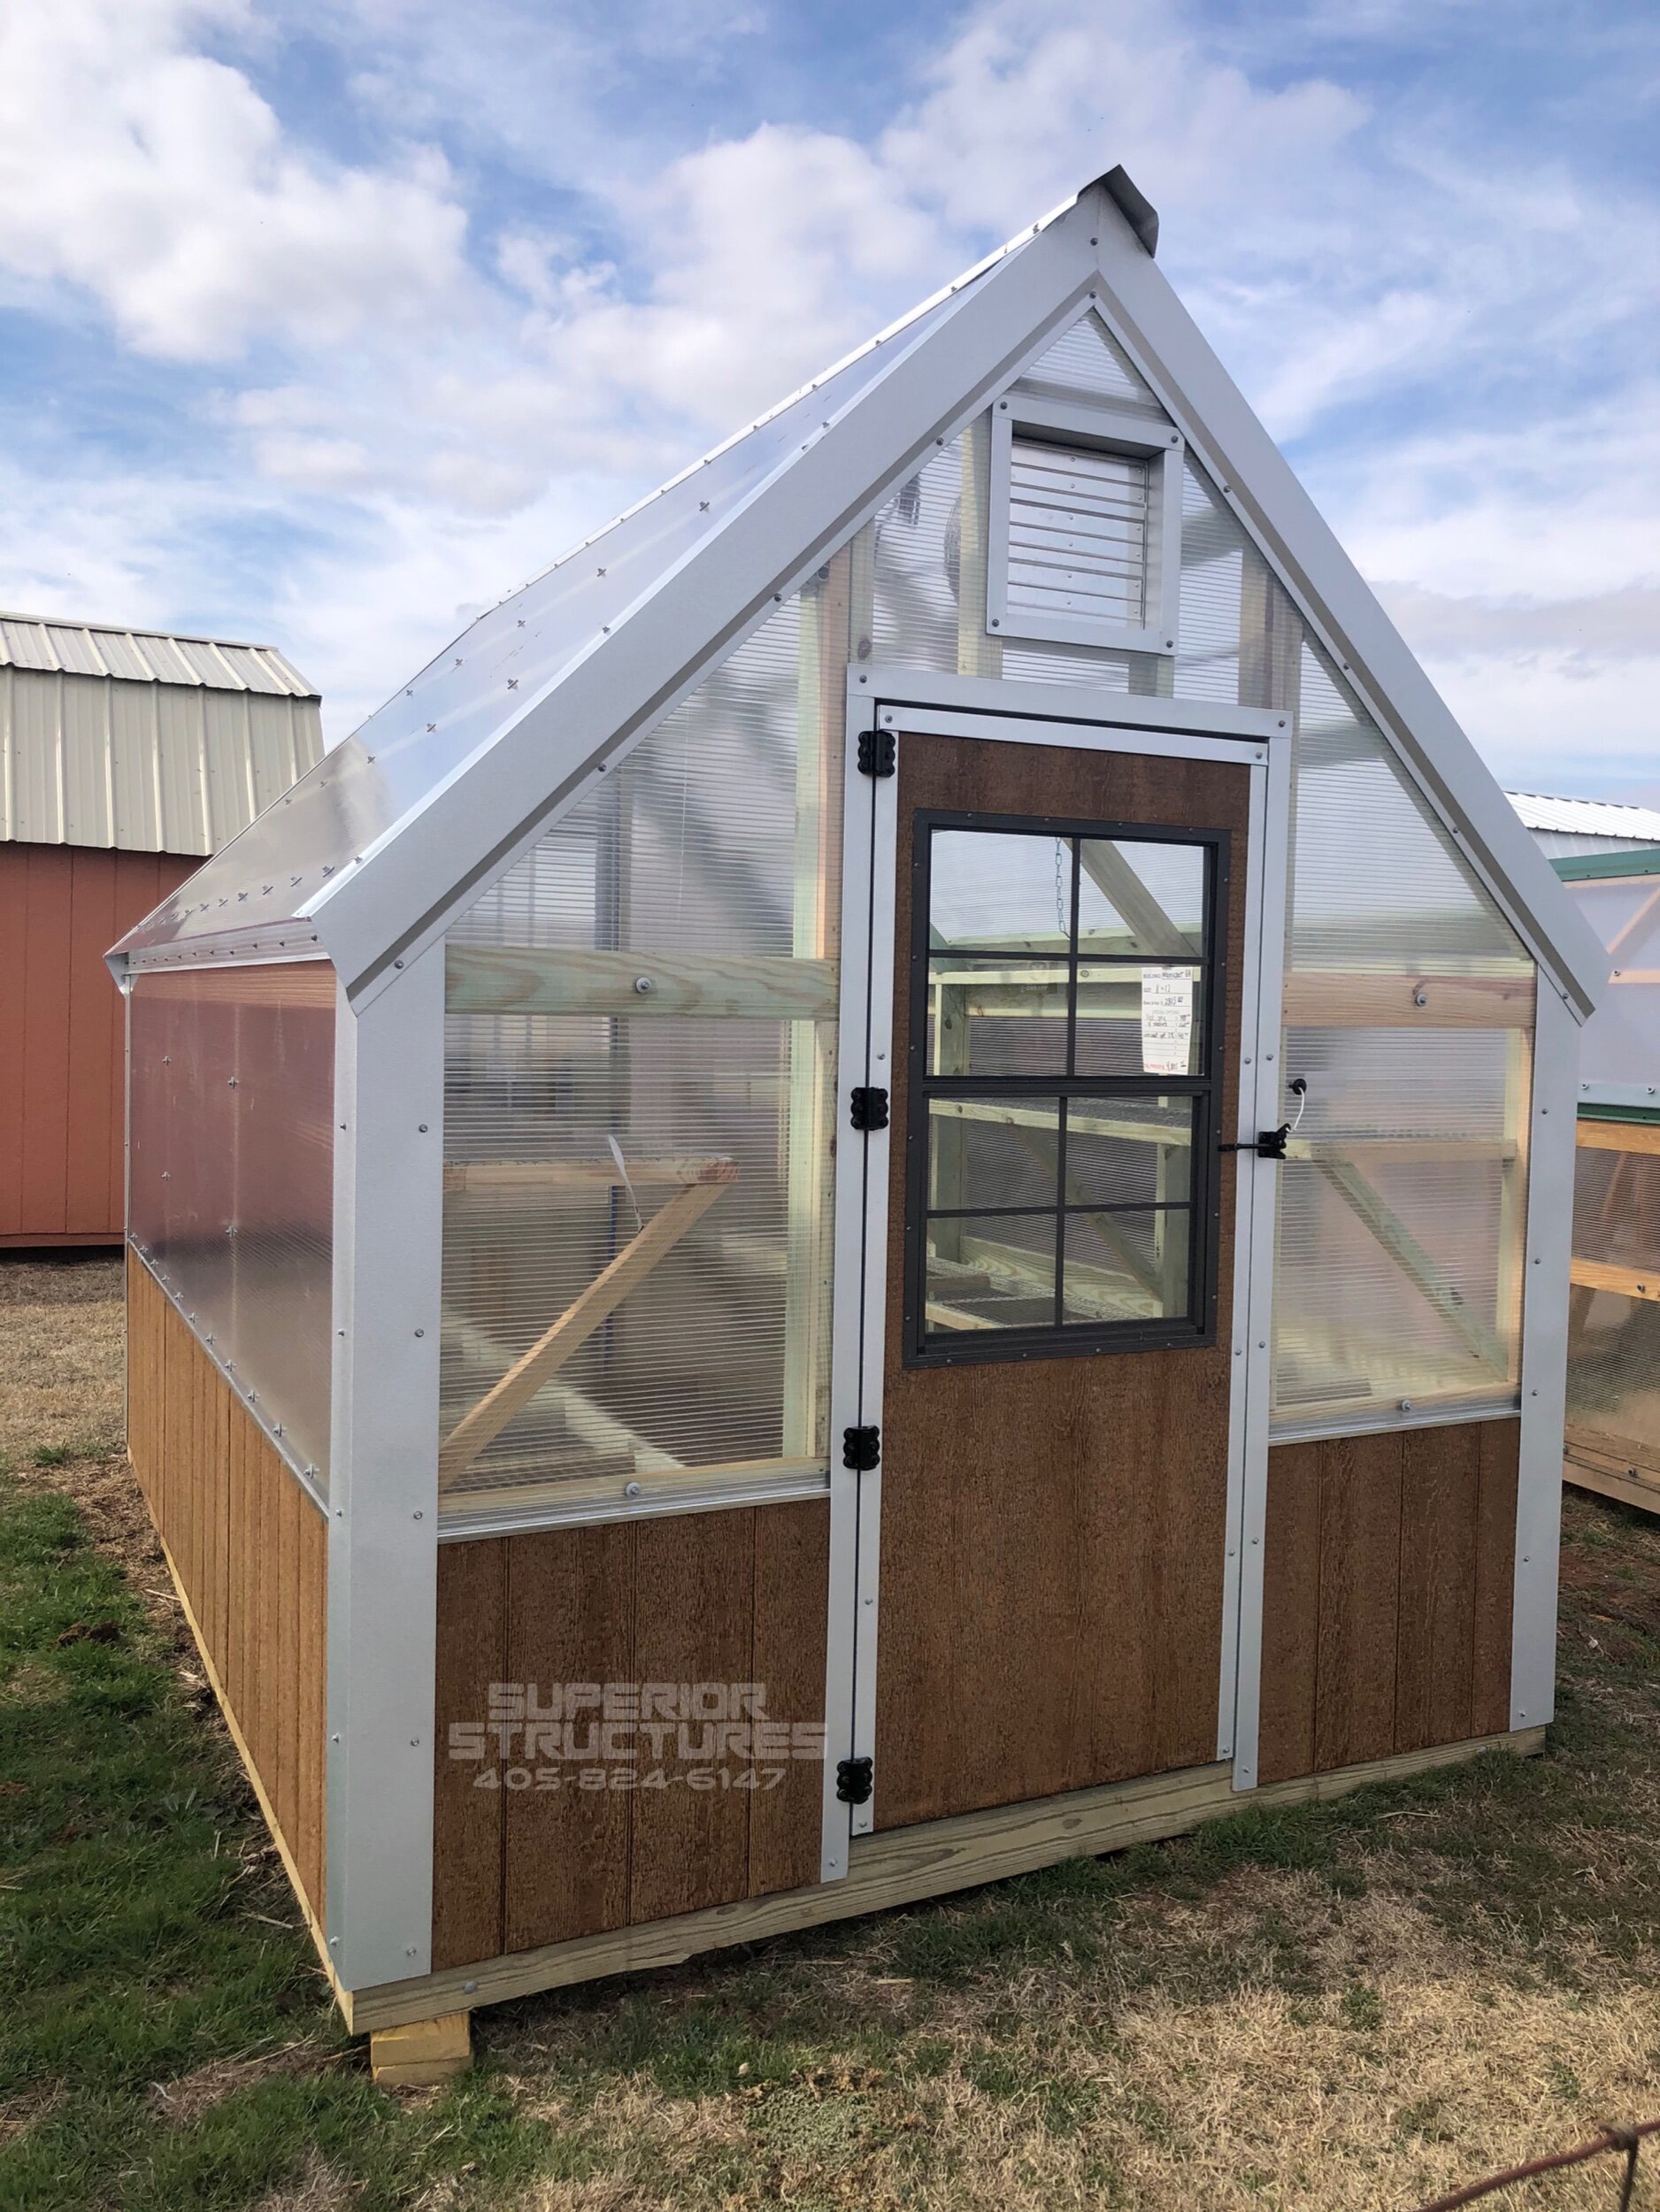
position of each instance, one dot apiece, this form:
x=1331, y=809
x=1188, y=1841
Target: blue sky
x=328, y=322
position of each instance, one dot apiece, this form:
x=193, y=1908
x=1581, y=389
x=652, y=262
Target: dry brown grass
x=60, y=1386
x=1462, y=1977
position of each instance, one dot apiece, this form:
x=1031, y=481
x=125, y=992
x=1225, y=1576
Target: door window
x=1061, y=1147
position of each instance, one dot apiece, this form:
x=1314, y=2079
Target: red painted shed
x=126, y=756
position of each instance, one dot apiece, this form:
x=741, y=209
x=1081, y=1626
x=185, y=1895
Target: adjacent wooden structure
x=62, y=1036
x=125, y=757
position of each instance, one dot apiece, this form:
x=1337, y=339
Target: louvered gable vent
x=1086, y=507
x=1078, y=534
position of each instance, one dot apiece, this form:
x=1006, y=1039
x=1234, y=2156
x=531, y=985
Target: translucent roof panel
x=465, y=700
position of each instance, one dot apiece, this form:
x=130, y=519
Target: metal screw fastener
x=421, y=1127
x=418, y=1516
x=467, y=1988
x=420, y=1332
x=414, y=1743
x=631, y=1490
x=1406, y=1405
x=644, y=986
x=334, y=1740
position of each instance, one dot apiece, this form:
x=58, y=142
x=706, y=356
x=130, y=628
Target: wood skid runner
x=793, y=1243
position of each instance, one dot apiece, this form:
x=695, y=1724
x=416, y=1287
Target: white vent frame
x=1101, y=430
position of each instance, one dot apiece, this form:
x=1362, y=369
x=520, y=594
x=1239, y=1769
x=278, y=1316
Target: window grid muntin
x=1196, y=1326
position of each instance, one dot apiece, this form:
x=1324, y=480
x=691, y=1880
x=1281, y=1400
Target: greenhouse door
x=1042, y=1371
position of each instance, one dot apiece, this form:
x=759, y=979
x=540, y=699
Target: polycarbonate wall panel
x=631, y=1140
x=1621, y=1041
x=1614, y=1308
x=1398, y=1275
x=1409, y=1011
x=231, y=1192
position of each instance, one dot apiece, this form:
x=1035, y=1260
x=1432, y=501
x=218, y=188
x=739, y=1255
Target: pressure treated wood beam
x=479, y=1176
x=533, y=979
x=1630, y=1282
x=1618, y=1136
x=1329, y=998
x=1013, y=1117
x=1372, y=1208
x=578, y=1322
x=898, y=1866
x=1117, y=880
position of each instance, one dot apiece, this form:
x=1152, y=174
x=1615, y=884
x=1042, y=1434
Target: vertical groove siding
x=738, y=1595
x=102, y=761
x=62, y=1047
x=1388, y=1594
x=250, y=1552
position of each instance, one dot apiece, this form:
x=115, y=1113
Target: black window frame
x=1197, y=1328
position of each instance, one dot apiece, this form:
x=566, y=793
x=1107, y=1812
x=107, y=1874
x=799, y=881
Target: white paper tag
x=1167, y=1020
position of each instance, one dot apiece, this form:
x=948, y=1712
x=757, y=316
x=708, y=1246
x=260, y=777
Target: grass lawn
x=1354, y=2005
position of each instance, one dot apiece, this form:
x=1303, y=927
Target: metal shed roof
x=142, y=741
x=1586, y=818
x=399, y=827
x=146, y=657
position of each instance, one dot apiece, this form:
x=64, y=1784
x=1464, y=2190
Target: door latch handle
x=1267, y=1144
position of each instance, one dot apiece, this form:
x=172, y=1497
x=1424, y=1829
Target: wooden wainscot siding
x=249, y=1551
x=737, y=1596
x=1387, y=1604
x=62, y=1041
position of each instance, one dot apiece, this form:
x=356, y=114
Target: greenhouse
x=878, y=1190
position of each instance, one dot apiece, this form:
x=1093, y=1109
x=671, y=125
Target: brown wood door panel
x=1053, y=1528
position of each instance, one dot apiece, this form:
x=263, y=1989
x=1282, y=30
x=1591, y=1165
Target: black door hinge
x=854, y=1780
x=861, y=1449
x=876, y=752
x=1267, y=1144
x=868, y=1106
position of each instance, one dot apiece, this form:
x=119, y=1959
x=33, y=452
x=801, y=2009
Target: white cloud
x=155, y=178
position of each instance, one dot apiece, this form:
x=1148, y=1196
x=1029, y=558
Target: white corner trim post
x=1551, y=1160
x=383, y=1492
